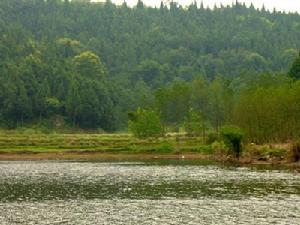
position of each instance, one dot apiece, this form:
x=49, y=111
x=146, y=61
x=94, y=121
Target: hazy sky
x=287, y=5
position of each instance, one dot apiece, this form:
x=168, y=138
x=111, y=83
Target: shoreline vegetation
x=228, y=77
x=172, y=146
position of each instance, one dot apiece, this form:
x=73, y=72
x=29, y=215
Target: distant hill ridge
x=92, y=63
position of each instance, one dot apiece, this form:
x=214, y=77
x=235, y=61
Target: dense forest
x=90, y=64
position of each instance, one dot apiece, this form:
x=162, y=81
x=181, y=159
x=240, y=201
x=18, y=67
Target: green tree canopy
x=295, y=69
x=145, y=123
x=89, y=65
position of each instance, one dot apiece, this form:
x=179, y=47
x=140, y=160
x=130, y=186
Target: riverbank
x=16, y=146
x=98, y=156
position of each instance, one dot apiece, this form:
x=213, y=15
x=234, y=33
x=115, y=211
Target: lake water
x=141, y=193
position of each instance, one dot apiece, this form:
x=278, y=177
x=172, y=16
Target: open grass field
x=104, y=143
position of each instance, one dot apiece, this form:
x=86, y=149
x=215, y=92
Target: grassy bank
x=101, y=143
x=15, y=146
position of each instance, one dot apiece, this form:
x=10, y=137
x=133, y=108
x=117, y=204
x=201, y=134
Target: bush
x=219, y=147
x=165, y=147
x=145, y=123
x=233, y=136
x=211, y=138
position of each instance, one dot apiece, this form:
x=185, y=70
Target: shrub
x=276, y=152
x=211, y=138
x=145, y=123
x=219, y=147
x=233, y=136
x=165, y=147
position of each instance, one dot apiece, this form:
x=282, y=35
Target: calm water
x=145, y=193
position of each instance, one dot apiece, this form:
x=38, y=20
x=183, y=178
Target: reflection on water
x=145, y=193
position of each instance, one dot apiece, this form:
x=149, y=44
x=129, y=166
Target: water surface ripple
x=145, y=193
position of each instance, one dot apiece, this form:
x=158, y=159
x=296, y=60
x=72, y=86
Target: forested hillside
x=92, y=63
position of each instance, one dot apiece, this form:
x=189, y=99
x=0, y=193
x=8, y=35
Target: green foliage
x=269, y=113
x=294, y=71
x=173, y=102
x=165, y=147
x=53, y=105
x=217, y=102
x=266, y=152
x=194, y=124
x=145, y=123
x=150, y=72
x=212, y=137
x=275, y=152
x=255, y=62
x=88, y=64
x=94, y=68
x=219, y=147
x=233, y=136
x=68, y=47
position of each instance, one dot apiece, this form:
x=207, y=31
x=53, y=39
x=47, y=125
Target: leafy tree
x=194, y=124
x=255, y=62
x=53, y=105
x=150, y=73
x=68, y=47
x=200, y=96
x=287, y=58
x=173, y=103
x=145, y=123
x=88, y=64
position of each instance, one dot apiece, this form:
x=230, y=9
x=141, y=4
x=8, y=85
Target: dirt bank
x=96, y=156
